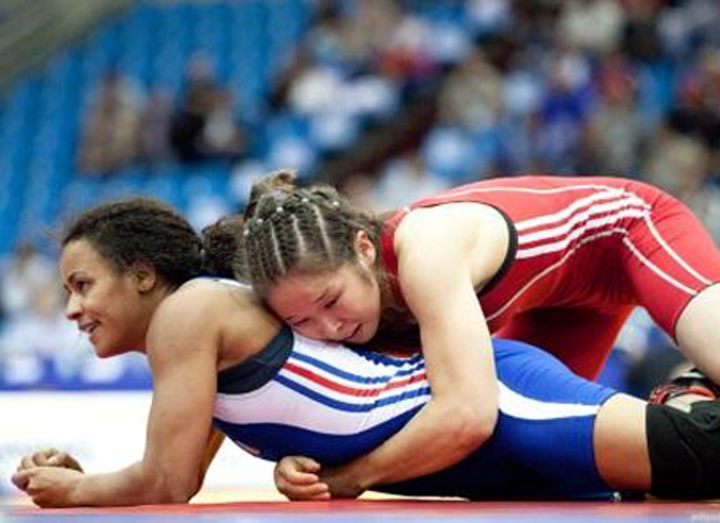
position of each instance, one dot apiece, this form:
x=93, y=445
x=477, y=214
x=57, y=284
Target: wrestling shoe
x=689, y=382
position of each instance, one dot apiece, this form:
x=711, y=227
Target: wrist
x=76, y=493
x=360, y=475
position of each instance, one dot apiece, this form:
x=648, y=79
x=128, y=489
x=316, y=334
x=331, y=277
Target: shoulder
x=451, y=241
x=194, y=314
x=202, y=297
x=450, y=223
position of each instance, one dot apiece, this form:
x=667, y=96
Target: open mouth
x=89, y=328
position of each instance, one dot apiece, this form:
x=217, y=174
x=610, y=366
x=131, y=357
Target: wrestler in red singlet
x=584, y=251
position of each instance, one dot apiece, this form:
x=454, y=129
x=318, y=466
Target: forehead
x=80, y=255
x=307, y=282
x=294, y=290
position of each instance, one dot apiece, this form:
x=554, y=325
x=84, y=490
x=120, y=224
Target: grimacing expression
x=102, y=301
x=342, y=305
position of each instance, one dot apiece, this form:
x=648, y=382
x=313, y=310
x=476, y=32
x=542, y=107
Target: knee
x=684, y=450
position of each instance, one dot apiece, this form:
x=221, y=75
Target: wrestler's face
x=338, y=305
x=105, y=303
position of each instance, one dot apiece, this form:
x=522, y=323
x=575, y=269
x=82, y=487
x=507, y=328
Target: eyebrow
x=319, y=299
x=71, y=279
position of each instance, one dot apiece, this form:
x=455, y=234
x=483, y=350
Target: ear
x=145, y=277
x=365, y=249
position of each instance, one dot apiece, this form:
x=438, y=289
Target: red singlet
x=584, y=252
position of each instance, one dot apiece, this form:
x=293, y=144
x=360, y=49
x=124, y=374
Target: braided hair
x=301, y=230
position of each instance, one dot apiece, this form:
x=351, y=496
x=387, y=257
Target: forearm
x=436, y=438
x=133, y=485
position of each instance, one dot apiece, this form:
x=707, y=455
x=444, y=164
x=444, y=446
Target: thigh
x=669, y=259
x=543, y=443
x=581, y=338
x=547, y=418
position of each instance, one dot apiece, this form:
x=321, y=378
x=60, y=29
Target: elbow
x=180, y=496
x=173, y=491
x=182, y=492
x=472, y=425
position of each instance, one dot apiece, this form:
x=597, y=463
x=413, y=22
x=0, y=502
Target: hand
x=340, y=483
x=48, y=486
x=49, y=458
x=296, y=477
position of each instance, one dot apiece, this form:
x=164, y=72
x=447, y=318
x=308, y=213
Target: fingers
x=26, y=463
x=296, y=468
x=297, y=478
x=45, y=457
x=37, y=459
x=307, y=464
x=315, y=492
x=63, y=459
x=21, y=479
x=49, y=458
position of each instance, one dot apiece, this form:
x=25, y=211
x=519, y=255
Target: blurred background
x=389, y=100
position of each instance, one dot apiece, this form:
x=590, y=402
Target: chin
x=365, y=337
x=105, y=351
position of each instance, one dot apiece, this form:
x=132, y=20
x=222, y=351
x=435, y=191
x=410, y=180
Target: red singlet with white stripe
x=584, y=252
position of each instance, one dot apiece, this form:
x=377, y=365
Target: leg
x=670, y=451
x=684, y=449
x=543, y=443
x=697, y=331
x=624, y=443
x=620, y=444
x=672, y=265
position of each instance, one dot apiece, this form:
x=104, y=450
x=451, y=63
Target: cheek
x=363, y=303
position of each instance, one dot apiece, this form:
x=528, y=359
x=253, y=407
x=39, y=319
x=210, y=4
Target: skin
x=619, y=443
x=696, y=331
x=192, y=333
x=188, y=336
x=462, y=246
x=342, y=305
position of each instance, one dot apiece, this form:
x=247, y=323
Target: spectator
x=205, y=127
x=110, y=131
x=155, y=126
x=27, y=274
x=471, y=94
x=404, y=180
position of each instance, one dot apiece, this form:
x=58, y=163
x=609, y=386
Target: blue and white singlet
x=332, y=403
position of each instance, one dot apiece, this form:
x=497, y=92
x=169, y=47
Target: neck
x=150, y=304
x=387, y=296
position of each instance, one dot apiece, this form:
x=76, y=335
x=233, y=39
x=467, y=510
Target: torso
x=564, y=233
x=325, y=401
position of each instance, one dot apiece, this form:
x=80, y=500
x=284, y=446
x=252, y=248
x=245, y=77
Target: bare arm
x=60, y=459
x=456, y=344
x=182, y=352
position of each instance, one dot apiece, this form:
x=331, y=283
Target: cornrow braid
x=292, y=229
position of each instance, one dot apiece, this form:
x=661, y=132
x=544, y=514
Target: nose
x=73, y=308
x=331, y=328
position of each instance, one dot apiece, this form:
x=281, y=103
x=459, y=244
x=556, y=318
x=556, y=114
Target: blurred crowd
x=124, y=126
x=618, y=87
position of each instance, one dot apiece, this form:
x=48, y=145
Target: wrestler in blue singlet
x=303, y=397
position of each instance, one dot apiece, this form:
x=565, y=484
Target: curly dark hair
x=144, y=230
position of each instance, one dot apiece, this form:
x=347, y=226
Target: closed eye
x=332, y=302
